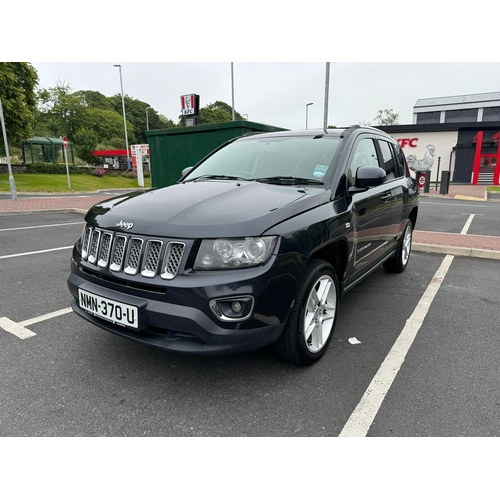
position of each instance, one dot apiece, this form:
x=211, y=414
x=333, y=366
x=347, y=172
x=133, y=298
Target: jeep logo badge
x=125, y=225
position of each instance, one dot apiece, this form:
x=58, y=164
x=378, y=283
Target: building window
x=426, y=118
x=491, y=114
x=461, y=115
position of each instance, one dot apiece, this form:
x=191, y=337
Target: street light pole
x=147, y=118
x=119, y=66
x=307, y=109
x=13, y=191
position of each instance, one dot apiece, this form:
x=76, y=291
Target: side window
x=389, y=160
x=400, y=160
x=364, y=154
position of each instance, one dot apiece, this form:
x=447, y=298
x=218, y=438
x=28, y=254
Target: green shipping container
x=172, y=150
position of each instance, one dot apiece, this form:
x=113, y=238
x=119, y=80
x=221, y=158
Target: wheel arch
x=336, y=255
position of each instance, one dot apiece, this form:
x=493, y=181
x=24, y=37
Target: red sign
x=410, y=142
x=421, y=179
x=65, y=142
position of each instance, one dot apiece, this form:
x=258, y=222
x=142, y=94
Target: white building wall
x=427, y=147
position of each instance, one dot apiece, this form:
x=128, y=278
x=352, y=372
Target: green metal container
x=174, y=149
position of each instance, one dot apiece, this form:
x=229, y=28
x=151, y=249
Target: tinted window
x=423, y=118
x=388, y=160
x=461, y=115
x=364, y=155
x=491, y=114
x=400, y=160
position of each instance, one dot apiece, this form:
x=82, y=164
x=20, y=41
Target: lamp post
x=119, y=66
x=307, y=108
x=147, y=118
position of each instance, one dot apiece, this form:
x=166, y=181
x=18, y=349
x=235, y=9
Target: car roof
x=318, y=132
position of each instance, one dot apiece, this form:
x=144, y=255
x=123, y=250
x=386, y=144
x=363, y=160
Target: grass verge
x=54, y=183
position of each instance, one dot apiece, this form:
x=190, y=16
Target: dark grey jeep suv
x=255, y=245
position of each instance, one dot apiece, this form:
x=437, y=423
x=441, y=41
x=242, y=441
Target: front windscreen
x=264, y=158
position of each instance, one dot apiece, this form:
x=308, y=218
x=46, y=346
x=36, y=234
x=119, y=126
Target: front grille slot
x=105, y=249
x=151, y=258
x=94, y=245
x=173, y=258
x=133, y=256
x=85, y=242
x=118, y=253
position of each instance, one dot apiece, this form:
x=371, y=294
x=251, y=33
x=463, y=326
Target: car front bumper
x=176, y=327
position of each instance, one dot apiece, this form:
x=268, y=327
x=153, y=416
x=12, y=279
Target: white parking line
x=38, y=319
x=15, y=328
x=19, y=329
x=365, y=412
x=467, y=224
x=32, y=253
x=36, y=227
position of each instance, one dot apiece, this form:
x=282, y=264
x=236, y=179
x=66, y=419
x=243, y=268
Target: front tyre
x=398, y=263
x=314, y=313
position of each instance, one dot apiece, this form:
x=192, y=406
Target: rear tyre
x=398, y=263
x=314, y=313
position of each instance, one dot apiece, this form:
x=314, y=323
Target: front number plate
x=111, y=310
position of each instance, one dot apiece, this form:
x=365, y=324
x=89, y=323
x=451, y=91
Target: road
x=72, y=379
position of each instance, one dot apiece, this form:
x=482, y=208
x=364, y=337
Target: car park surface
x=72, y=379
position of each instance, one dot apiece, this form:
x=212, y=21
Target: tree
x=387, y=117
x=18, y=81
x=85, y=142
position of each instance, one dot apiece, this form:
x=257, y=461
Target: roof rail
x=349, y=131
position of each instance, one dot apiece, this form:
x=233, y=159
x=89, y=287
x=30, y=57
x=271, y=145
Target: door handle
x=385, y=197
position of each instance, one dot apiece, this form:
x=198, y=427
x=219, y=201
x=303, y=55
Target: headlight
x=235, y=252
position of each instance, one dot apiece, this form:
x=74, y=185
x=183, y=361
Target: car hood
x=206, y=209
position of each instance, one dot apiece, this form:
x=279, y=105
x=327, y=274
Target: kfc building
x=459, y=134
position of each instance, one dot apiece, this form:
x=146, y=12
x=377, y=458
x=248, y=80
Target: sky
x=276, y=93
x=383, y=55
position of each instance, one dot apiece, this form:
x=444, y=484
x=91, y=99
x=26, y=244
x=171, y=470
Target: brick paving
x=422, y=240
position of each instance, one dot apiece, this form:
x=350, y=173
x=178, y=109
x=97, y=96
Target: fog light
x=232, y=308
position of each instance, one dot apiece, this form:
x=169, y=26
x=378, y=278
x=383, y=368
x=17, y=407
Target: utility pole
x=327, y=86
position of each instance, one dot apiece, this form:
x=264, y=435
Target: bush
x=99, y=172
x=53, y=168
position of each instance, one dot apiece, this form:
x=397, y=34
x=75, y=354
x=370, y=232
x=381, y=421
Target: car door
x=371, y=210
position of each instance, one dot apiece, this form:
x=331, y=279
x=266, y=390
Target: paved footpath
x=466, y=245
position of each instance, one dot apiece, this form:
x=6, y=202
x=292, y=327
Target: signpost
x=138, y=151
x=13, y=192
x=65, y=144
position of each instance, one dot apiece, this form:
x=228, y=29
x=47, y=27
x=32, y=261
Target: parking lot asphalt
x=434, y=241
x=62, y=376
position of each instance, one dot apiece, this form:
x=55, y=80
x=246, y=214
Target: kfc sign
x=410, y=142
x=190, y=104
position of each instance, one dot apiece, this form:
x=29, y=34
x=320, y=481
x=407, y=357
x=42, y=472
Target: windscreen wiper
x=282, y=179
x=218, y=177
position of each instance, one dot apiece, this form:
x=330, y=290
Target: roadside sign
x=65, y=142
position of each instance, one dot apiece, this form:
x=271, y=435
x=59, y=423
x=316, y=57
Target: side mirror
x=185, y=172
x=367, y=177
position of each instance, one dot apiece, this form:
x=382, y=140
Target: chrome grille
x=104, y=250
x=133, y=256
x=117, y=253
x=94, y=245
x=173, y=257
x=151, y=259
